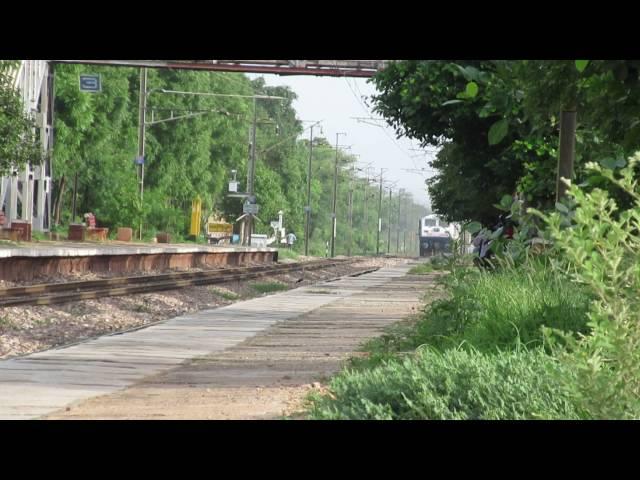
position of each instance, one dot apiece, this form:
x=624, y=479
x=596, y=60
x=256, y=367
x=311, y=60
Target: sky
x=336, y=101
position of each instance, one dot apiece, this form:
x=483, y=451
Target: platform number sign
x=90, y=83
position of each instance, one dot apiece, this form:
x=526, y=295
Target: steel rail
x=53, y=293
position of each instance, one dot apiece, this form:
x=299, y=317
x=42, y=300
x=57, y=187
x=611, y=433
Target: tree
x=18, y=144
x=431, y=101
x=499, y=123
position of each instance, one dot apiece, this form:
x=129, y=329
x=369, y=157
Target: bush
x=600, y=246
x=456, y=384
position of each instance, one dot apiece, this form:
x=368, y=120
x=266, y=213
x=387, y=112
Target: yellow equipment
x=196, y=215
x=219, y=231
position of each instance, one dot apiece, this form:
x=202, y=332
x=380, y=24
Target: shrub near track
x=456, y=384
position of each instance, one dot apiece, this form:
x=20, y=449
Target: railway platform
x=33, y=260
x=324, y=321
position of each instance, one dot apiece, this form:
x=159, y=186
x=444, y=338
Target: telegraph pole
x=350, y=212
x=142, y=118
x=398, y=223
x=365, y=206
x=404, y=229
x=379, y=213
x=251, y=170
x=335, y=200
x=389, y=225
x=308, y=208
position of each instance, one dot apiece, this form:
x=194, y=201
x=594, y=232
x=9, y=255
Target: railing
x=348, y=68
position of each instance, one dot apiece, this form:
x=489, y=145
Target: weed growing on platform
x=421, y=269
x=5, y=324
x=288, y=254
x=268, y=287
x=225, y=294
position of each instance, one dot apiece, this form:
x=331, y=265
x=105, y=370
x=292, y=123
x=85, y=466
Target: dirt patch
x=28, y=329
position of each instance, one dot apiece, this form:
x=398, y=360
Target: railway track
x=53, y=293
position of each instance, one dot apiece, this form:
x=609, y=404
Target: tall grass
x=287, y=253
x=499, y=310
x=478, y=354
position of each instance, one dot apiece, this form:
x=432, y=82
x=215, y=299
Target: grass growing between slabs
x=268, y=287
x=288, y=254
x=422, y=269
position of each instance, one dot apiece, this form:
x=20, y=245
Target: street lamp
x=335, y=198
x=307, y=208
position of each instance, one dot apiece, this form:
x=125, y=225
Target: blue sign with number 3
x=90, y=83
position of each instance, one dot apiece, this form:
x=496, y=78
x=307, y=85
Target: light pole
x=142, y=118
x=379, y=213
x=335, y=199
x=389, y=225
x=365, y=195
x=308, y=207
x=398, y=222
x=404, y=232
x=351, y=210
x=365, y=206
x=350, y=198
x=251, y=170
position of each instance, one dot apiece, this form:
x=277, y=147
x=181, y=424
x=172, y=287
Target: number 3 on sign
x=90, y=83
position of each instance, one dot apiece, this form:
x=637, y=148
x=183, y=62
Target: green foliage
x=227, y=295
x=504, y=137
x=452, y=385
x=268, y=287
x=600, y=246
x=422, y=269
x=287, y=253
x=581, y=65
x=96, y=136
x=18, y=143
x=473, y=172
x=501, y=310
x=498, y=131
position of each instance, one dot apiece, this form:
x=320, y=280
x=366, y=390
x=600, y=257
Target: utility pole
x=398, y=223
x=252, y=169
x=142, y=118
x=404, y=229
x=351, y=211
x=365, y=206
x=389, y=225
x=308, y=207
x=335, y=200
x=379, y=214
x=566, y=150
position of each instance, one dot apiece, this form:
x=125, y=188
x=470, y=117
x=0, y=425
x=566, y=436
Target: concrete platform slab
x=41, y=383
x=45, y=259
